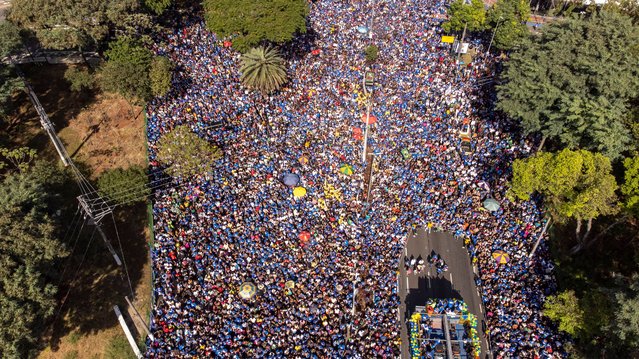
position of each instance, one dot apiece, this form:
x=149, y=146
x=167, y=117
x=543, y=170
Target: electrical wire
x=75, y=277
x=126, y=270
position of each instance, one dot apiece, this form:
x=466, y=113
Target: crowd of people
x=239, y=223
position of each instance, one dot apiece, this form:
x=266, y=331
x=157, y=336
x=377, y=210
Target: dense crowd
x=239, y=223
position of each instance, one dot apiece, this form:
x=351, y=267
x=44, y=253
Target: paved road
x=458, y=282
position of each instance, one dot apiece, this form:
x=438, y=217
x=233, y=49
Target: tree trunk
x=588, y=228
x=541, y=144
x=578, y=229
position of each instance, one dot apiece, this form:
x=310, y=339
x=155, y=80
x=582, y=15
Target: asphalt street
x=458, y=282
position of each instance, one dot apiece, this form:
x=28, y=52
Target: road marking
x=480, y=309
x=407, y=287
x=451, y=279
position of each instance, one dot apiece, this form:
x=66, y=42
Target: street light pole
x=368, y=115
x=493, y=37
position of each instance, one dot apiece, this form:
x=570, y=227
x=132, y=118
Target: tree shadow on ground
x=100, y=284
x=59, y=102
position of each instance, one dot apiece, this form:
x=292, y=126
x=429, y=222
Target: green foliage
x=157, y=6
x=253, y=22
x=575, y=184
x=29, y=251
x=18, y=158
x=185, y=154
x=564, y=308
x=72, y=355
x=78, y=23
x=372, y=52
x=630, y=187
x=574, y=82
x=10, y=83
x=160, y=76
x=10, y=40
x=263, y=69
x=626, y=323
x=127, y=69
x=114, y=183
x=509, y=18
x=79, y=78
x=460, y=14
x=119, y=348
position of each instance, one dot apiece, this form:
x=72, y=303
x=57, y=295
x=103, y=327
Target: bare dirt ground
x=100, y=132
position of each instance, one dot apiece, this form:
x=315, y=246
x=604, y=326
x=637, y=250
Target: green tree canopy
x=157, y=6
x=630, y=186
x=124, y=186
x=80, y=79
x=460, y=14
x=65, y=24
x=263, y=69
x=626, y=323
x=564, y=308
x=252, y=22
x=575, y=184
x=160, y=75
x=508, y=18
x=185, y=153
x=29, y=250
x=574, y=82
x=127, y=69
x=10, y=40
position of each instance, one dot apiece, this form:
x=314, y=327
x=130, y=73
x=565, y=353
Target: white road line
x=451, y=279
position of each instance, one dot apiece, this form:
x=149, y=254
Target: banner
x=448, y=39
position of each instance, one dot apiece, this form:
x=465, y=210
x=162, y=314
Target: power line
x=126, y=270
x=75, y=276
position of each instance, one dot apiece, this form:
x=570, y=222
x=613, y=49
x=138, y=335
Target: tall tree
x=186, y=154
x=113, y=184
x=564, y=308
x=463, y=14
x=574, y=82
x=127, y=69
x=508, y=20
x=65, y=24
x=252, y=22
x=29, y=249
x=263, y=69
x=626, y=322
x=157, y=6
x=630, y=187
x=575, y=184
x=10, y=40
x=160, y=76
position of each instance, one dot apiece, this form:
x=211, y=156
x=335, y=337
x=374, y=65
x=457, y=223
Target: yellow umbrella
x=299, y=192
x=303, y=160
x=501, y=257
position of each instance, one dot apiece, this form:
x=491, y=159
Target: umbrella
x=299, y=192
x=371, y=119
x=304, y=236
x=346, y=169
x=290, y=179
x=247, y=290
x=491, y=204
x=501, y=257
x=228, y=44
x=289, y=284
x=303, y=160
x=362, y=29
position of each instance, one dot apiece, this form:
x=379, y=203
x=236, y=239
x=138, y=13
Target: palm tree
x=263, y=69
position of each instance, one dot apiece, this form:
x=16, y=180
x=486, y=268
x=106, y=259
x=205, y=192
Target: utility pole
x=127, y=332
x=142, y=321
x=493, y=36
x=461, y=43
x=368, y=115
x=532, y=252
x=88, y=213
